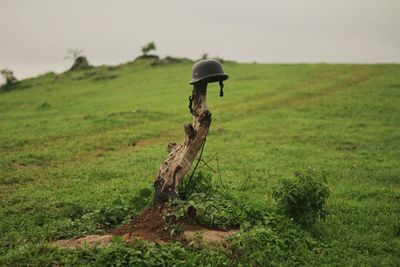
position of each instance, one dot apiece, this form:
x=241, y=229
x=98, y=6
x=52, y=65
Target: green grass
x=84, y=143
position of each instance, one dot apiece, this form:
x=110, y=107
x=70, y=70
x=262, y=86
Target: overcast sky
x=35, y=34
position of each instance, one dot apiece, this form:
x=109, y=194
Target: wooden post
x=181, y=157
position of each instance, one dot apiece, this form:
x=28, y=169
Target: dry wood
x=181, y=157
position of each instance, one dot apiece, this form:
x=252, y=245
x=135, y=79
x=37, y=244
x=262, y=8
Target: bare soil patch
x=90, y=240
x=203, y=234
x=150, y=226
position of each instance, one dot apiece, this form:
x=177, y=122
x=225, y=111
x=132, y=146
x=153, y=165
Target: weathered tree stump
x=181, y=157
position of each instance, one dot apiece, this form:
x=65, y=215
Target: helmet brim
x=211, y=78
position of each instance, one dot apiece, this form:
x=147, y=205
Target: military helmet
x=208, y=70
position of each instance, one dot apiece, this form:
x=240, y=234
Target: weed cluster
x=118, y=253
x=303, y=199
x=265, y=236
x=79, y=223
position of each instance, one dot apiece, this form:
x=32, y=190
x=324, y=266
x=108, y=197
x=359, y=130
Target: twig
x=219, y=174
x=206, y=162
x=197, y=163
x=213, y=156
x=244, y=186
x=208, y=166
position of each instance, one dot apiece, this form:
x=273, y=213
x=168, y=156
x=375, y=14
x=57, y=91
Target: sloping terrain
x=76, y=148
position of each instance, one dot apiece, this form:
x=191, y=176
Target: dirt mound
x=150, y=226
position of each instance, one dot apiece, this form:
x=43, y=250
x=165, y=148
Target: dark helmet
x=208, y=70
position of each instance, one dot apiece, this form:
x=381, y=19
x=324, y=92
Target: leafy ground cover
x=78, y=149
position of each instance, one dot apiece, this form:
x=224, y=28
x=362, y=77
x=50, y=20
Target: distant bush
x=73, y=53
x=9, y=77
x=80, y=61
x=147, y=48
x=303, y=199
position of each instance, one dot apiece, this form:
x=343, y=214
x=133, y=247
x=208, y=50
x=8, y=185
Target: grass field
x=86, y=142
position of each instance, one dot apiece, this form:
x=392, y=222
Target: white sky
x=35, y=34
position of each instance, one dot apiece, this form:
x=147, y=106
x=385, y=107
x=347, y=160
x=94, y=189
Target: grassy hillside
x=87, y=141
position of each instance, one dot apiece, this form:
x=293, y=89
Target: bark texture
x=181, y=157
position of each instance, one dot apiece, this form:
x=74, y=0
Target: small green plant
x=303, y=199
x=173, y=218
x=147, y=48
x=198, y=183
x=201, y=203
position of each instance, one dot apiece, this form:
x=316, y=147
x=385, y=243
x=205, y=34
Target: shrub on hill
x=149, y=47
x=9, y=77
x=80, y=61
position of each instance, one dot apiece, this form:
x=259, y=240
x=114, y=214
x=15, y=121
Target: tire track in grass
x=290, y=102
x=354, y=80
